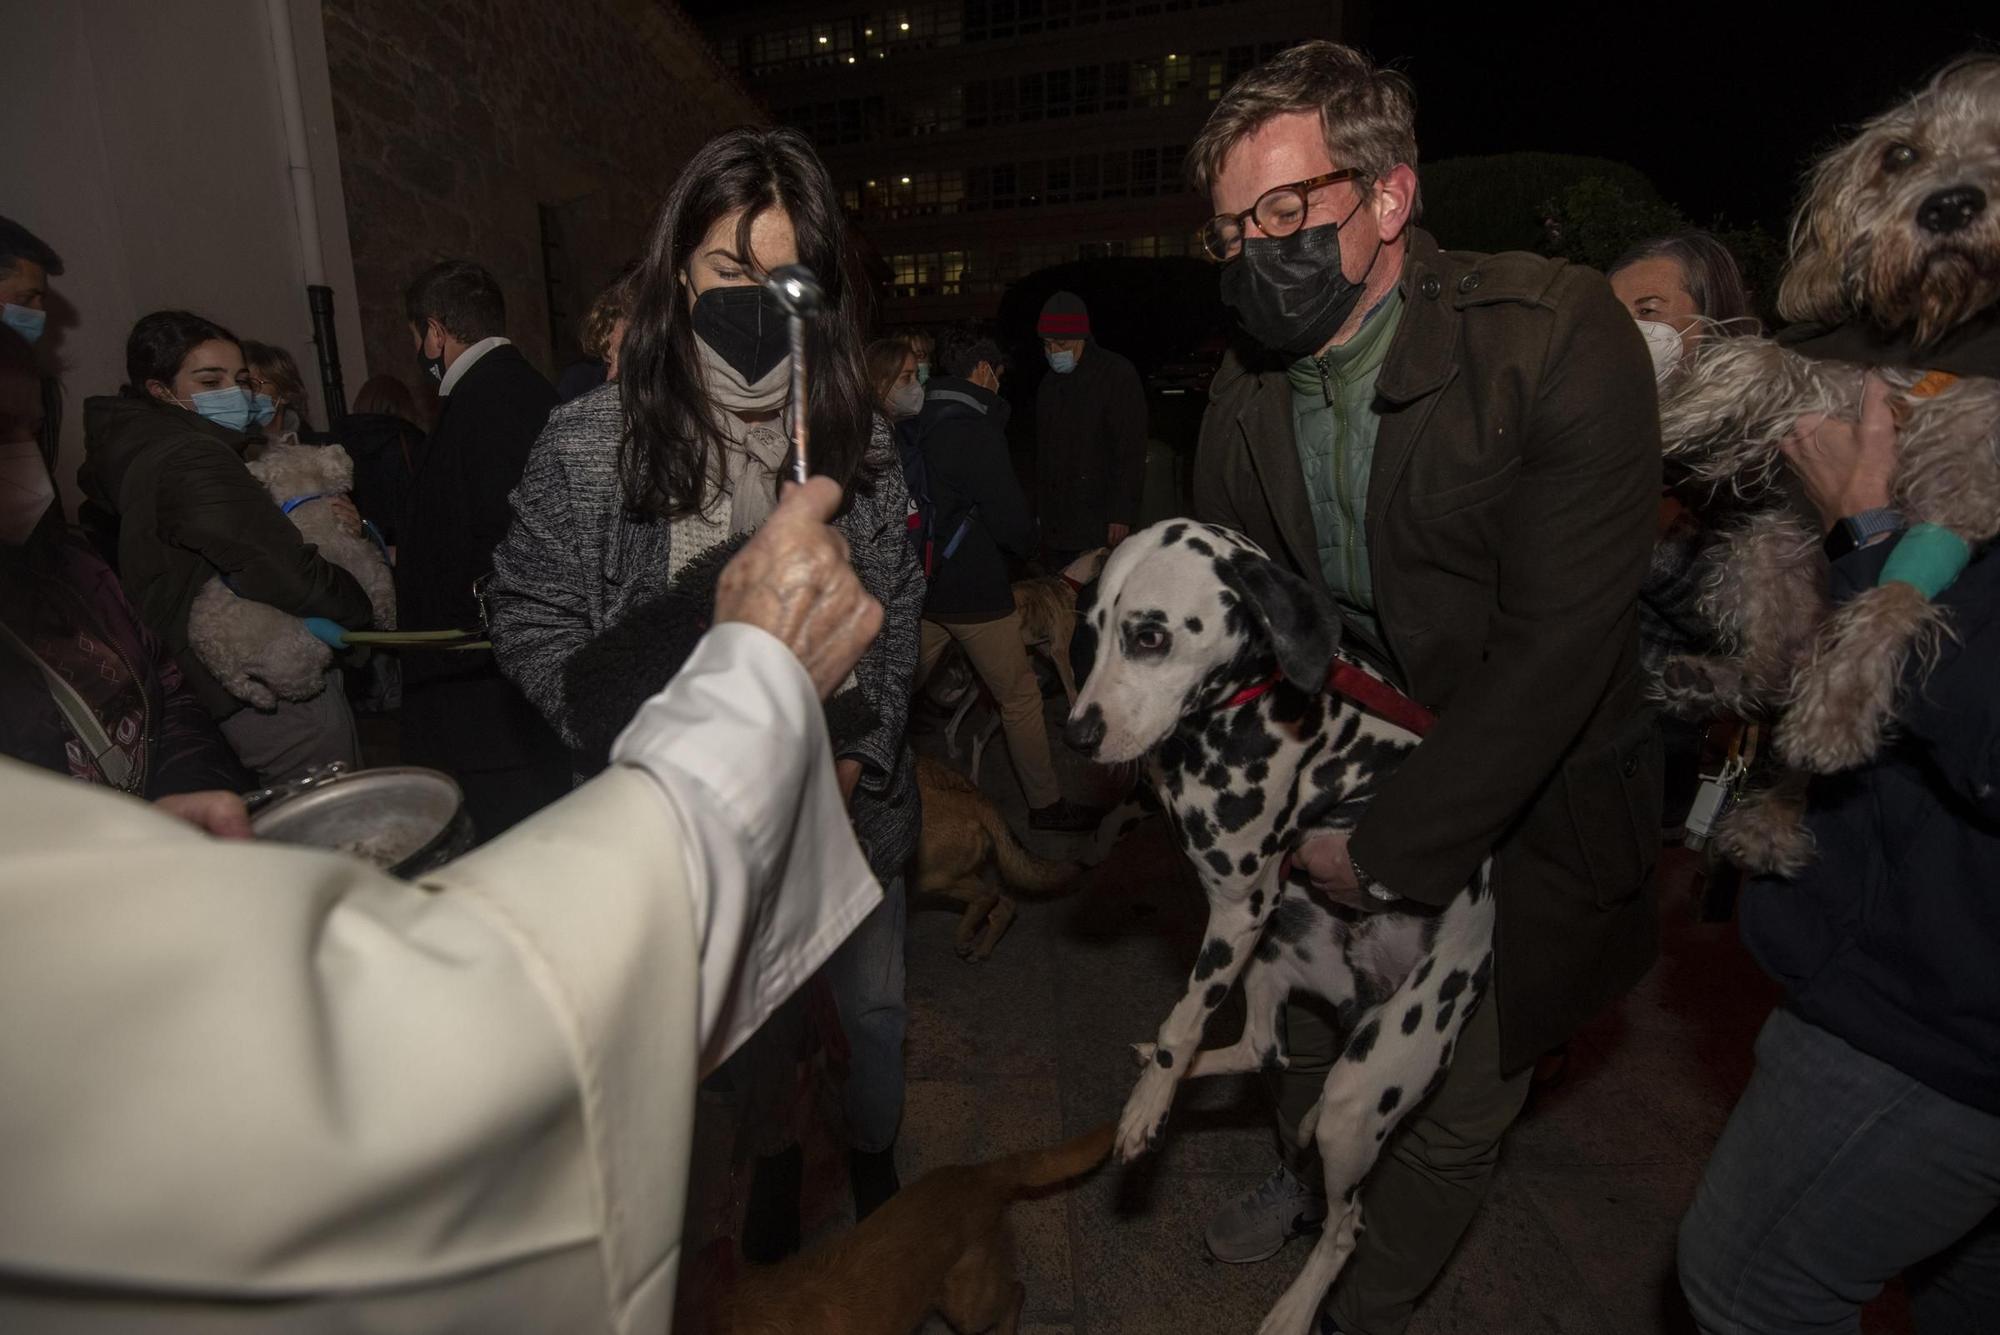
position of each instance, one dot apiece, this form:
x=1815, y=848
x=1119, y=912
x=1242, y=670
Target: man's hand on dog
x=793, y=580
x=1846, y=467
x=1324, y=857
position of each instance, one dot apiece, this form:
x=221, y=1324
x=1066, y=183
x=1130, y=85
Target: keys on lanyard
x=1718, y=792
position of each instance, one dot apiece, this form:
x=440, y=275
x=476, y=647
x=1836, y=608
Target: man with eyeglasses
x=1463, y=451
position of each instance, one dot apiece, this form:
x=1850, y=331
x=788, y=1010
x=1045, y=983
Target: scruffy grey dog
x=262, y=655
x=1899, y=235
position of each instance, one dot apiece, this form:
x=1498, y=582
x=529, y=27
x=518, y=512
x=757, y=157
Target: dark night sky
x=1721, y=105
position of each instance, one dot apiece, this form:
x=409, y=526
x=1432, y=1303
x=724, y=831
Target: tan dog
x=260, y=654
x=941, y=1244
x=1047, y=609
x=963, y=831
x=1900, y=236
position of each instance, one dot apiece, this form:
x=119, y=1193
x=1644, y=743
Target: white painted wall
x=143, y=139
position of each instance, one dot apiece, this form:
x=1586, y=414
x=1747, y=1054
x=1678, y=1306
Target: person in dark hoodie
x=164, y=458
x=982, y=519
x=1090, y=437
x=1868, y=1141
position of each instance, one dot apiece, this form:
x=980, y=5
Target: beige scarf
x=747, y=490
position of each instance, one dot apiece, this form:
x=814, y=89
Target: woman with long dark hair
x=636, y=489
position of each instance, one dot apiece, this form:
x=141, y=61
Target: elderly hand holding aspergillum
x=793, y=579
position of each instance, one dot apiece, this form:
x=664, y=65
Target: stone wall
x=489, y=129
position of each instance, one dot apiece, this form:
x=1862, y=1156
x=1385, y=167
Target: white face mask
x=26, y=490
x=1663, y=341
x=906, y=400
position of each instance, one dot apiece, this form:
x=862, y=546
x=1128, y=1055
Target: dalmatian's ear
x=1300, y=621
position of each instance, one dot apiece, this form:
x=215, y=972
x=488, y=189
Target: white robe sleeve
x=780, y=880
x=246, y=1071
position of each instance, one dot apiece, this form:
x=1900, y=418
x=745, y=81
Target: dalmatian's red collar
x=1349, y=681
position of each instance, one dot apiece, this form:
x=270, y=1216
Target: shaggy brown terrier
x=962, y=833
x=1900, y=235
x=941, y=1244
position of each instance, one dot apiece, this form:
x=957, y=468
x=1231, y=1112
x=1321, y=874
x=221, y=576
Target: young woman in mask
x=892, y=375
x=164, y=458
x=631, y=485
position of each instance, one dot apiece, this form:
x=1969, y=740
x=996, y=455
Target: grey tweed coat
x=576, y=561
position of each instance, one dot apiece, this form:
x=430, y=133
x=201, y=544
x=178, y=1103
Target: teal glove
x=327, y=631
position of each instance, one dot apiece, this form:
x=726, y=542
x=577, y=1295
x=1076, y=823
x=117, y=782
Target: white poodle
x=262, y=655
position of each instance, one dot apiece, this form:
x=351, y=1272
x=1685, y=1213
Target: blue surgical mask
x=265, y=408
x=1062, y=361
x=923, y=372
x=227, y=407
x=24, y=320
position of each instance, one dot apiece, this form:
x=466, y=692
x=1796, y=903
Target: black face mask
x=746, y=328
x=1290, y=291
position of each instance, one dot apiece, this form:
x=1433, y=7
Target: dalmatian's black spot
x=1216, y=777
x=1197, y=545
x=1291, y=920
x=1266, y=949
x=1193, y=625
x=1214, y=956
x=1256, y=772
x=1363, y=1041
x=1423, y=971
x=1247, y=866
x=1247, y=740
x=1198, y=830
x=1391, y=1097
x=1256, y=903
x=1218, y=861
x=1233, y=811
x=1453, y=984
x=1173, y=534
x=1164, y=1058
x=1445, y=1011
x=1413, y=1017
x=1213, y=997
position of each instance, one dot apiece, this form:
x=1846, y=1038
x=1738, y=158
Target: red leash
x=1350, y=682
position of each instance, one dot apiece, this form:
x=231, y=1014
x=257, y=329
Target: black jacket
x=1890, y=937
x=186, y=508
x=962, y=432
x=1512, y=502
x=385, y=450
x=459, y=713
x=1090, y=449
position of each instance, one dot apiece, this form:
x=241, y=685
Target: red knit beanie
x=1064, y=316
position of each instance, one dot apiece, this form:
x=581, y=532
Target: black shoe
x=1065, y=817
x=873, y=1177
x=771, y=1221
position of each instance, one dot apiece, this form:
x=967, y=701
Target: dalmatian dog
x=1211, y=663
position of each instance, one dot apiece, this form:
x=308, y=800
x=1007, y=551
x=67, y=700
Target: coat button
x=1631, y=766
x=1469, y=283
x=1431, y=287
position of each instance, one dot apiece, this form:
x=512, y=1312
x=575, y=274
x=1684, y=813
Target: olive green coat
x=1510, y=515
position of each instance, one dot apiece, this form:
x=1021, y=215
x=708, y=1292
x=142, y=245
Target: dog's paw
x=1145, y=1115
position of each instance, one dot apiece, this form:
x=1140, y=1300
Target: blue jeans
x=1836, y=1173
x=866, y=975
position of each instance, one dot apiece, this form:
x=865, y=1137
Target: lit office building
x=976, y=141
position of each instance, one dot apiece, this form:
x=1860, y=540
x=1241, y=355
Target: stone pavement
x=1576, y=1239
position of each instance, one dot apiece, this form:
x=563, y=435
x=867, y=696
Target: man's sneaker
x=1256, y=1226
x=1065, y=817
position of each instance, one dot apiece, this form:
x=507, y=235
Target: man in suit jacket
x=1463, y=451
x=460, y=714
